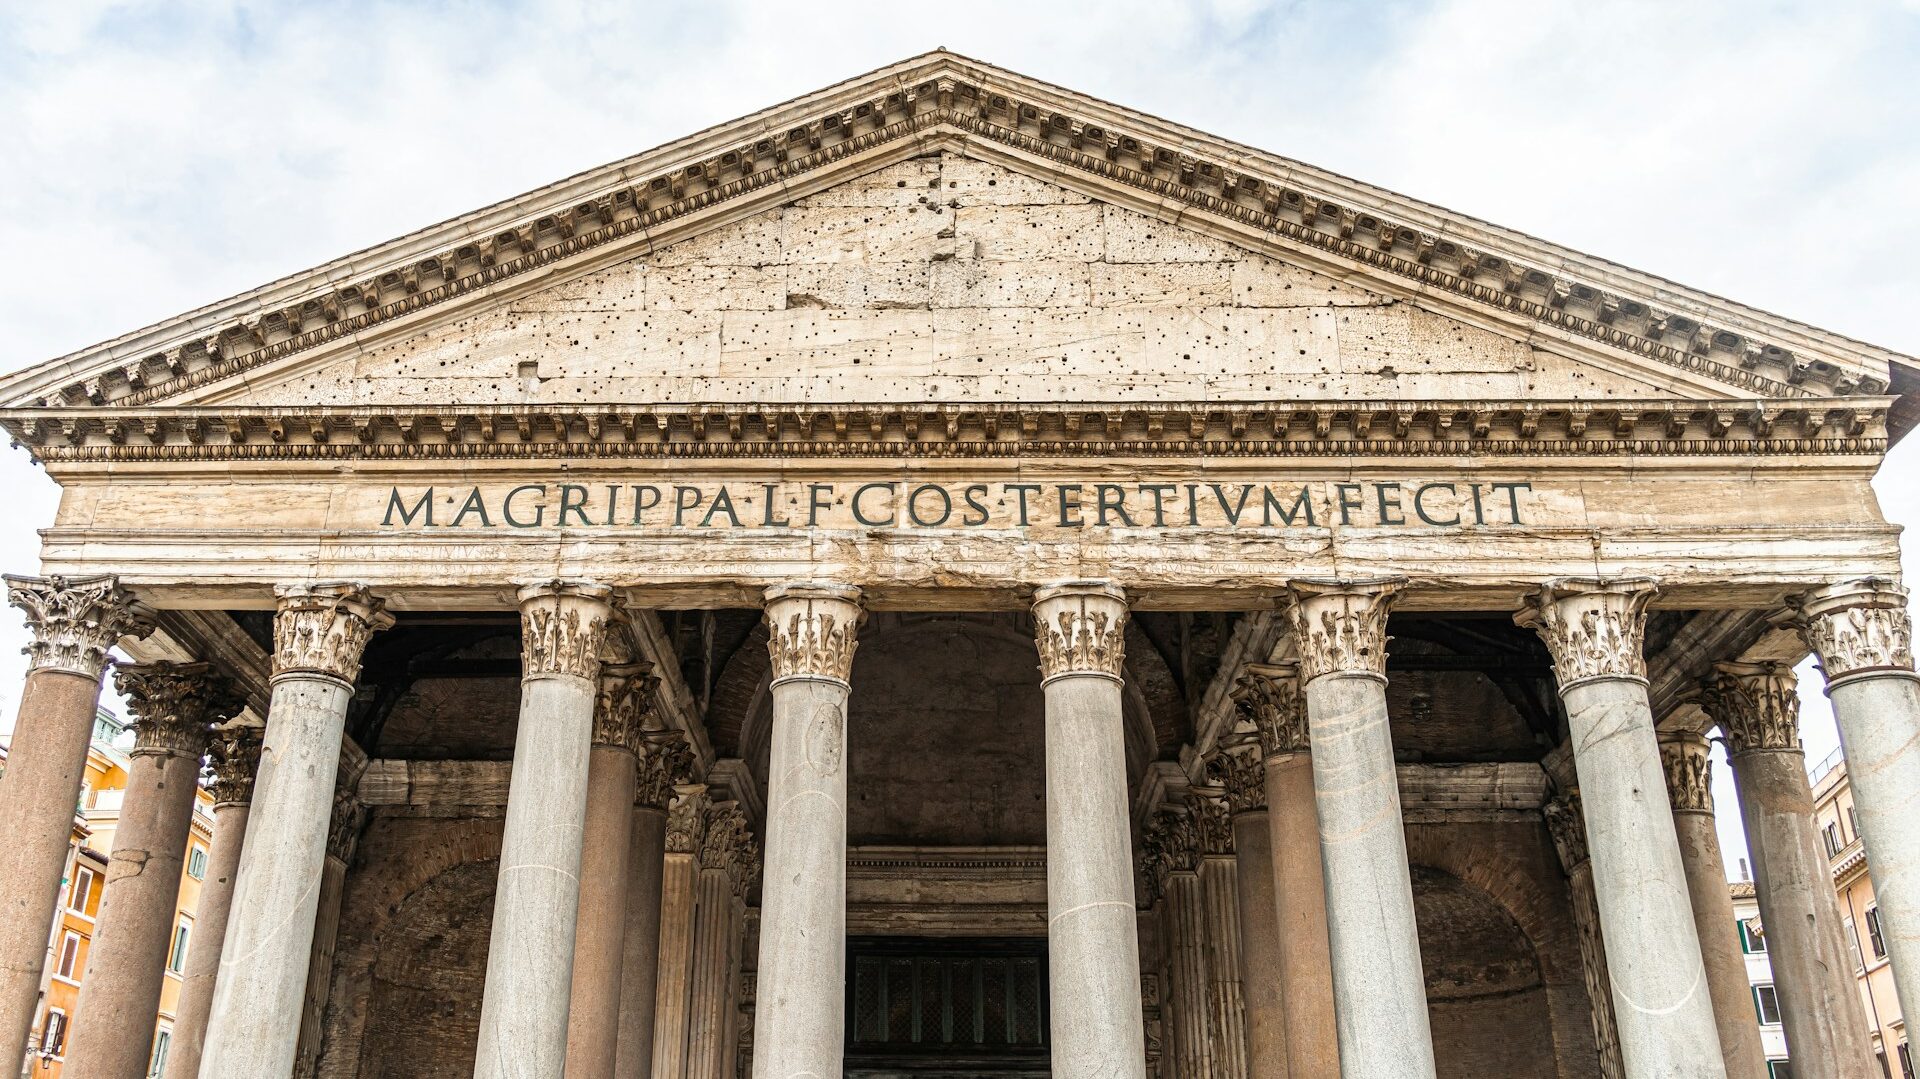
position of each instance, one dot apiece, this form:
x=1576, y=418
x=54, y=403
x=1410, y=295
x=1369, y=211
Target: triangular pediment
x=942, y=230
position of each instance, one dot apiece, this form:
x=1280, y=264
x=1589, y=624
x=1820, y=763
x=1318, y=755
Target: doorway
x=946, y=1008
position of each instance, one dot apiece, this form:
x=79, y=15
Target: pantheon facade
x=949, y=577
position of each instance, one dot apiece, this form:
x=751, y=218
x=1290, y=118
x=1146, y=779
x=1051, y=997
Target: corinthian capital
x=563, y=625
x=728, y=845
x=323, y=628
x=1268, y=695
x=235, y=760
x=622, y=704
x=1080, y=627
x=75, y=620
x=1340, y=627
x=1567, y=824
x=1242, y=776
x=1683, y=756
x=1857, y=627
x=175, y=706
x=1594, y=627
x=687, y=819
x=1757, y=704
x=812, y=629
x=663, y=765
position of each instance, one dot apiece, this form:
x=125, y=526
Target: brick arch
x=423, y=1002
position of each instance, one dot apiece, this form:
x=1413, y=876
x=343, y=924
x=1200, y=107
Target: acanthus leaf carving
x=1340, y=626
x=1857, y=627
x=323, y=628
x=1243, y=776
x=622, y=703
x=234, y=761
x=176, y=705
x=1269, y=696
x=1593, y=627
x=1568, y=826
x=1080, y=628
x=1756, y=704
x=563, y=628
x=813, y=629
x=664, y=765
x=687, y=819
x=1213, y=822
x=75, y=621
x=1683, y=758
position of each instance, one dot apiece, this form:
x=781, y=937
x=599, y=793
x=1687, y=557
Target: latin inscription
x=916, y=504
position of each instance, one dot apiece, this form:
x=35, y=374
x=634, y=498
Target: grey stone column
x=1093, y=954
x=1863, y=636
x=523, y=1015
x=728, y=864
x=660, y=766
x=1269, y=697
x=235, y=758
x=1594, y=629
x=812, y=630
x=1683, y=755
x=1566, y=823
x=1170, y=862
x=175, y=705
x=593, y=1015
x=1245, y=778
x=74, y=622
x=1220, y=891
x=349, y=819
x=318, y=634
x=1758, y=706
x=679, y=888
x=1379, y=987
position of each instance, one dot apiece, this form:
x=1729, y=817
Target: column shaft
x=210, y=930
x=640, y=945
x=1186, y=930
x=1220, y=890
x=1260, y=947
x=686, y=827
x=1863, y=636
x=1093, y=954
x=523, y=1016
x=707, y=1012
x=74, y=622
x=1662, y=1007
x=1305, y=972
x=1688, y=789
x=344, y=836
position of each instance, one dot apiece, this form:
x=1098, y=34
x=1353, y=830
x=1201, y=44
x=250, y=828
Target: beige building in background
x=1865, y=932
x=994, y=584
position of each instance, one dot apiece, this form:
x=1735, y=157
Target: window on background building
x=81, y=890
x=1753, y=940
x=1830, y=835
x=161, y=1043
x=1853, y=943
x=1779, y=1069
x=1853, y=826
x=197, y=862
x=1873, y=933
x=1906, y=1061
x=69, y=955
x=1767, y=1003
x=177, y=959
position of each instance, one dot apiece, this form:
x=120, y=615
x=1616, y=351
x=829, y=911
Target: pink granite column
x=74, y=621
x=175, y=705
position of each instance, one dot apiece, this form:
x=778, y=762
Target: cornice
x=1262, y=200
x=1507, y=427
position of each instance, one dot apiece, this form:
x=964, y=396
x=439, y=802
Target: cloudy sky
x=158, y=156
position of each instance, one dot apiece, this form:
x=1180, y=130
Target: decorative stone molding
x=1269, y=696
x=1080, y=627
x=1169, y=843
x=727, y=844
x=1594, y=627
x=622, y=704
x=1756, y=704
x=1683, y=757
x=1243, y=777
x=234, y=761
x=1213, y=821
x=687, y=819
x=662, y=766
x=1340, y=626
x=323, y=628
x=563, y=627
x=75, y=620
x=813, y=629
x=343, y=827
x=176, y=705
x=1857, y=627
x=1568, y=826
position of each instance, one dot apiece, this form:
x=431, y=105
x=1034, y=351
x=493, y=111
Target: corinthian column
x=593, y=1019
x=1170, y=857
x=1379, y=988
x=1861, y=632
x=1093, y=944
x=1662, y=1009
x=523, y=1015
x=1683, y=755
x=1567, y=825
x=1244, y=777
x=728, y=865
x=1220, y=891
x=175, y=705
x=1269, y=697
x=74, y=621
x=1758, y=706
x=679, y=888
x=812, y=630
x=235, y=757
x=319, y=634
x=661, y=766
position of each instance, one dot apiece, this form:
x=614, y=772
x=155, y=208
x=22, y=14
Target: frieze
x=323, y=628
x=1593, y=627
x=1340, y=626
x=563, y=627
x=233, y=763
x=813, y=629
x=1756, y=704
x=176, y=705
x=75, y=620
x=1857, y=627
x=1271, y=203
x=1268, y=695
x=1080, y=627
